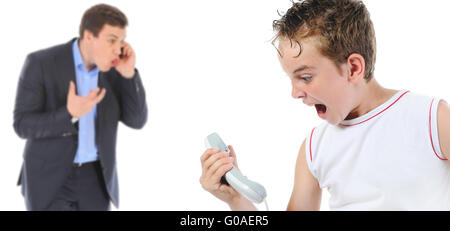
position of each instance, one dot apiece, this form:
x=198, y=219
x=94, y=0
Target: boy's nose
x=298, y=93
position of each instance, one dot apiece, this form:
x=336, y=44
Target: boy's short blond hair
x=342, y=28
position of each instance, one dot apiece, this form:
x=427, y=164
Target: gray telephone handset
x=249, y=189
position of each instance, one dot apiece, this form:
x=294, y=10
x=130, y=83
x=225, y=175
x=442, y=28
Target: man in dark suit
x=69, y=101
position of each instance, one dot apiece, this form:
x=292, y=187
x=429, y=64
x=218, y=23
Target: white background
x=209, y=66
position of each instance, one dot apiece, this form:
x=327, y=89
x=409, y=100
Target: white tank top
x=387, y=159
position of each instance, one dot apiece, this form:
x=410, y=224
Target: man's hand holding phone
x=127, y=62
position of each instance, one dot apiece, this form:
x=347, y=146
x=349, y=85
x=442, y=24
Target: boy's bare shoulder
x=443, y=115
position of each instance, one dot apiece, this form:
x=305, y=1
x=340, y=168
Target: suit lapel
x=65, y=72
x=100, y=107
x=65, y=69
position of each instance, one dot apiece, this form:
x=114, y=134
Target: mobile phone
x=121, y=53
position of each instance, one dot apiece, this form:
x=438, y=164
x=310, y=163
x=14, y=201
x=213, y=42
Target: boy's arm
x=443, y=119
x=306, y=194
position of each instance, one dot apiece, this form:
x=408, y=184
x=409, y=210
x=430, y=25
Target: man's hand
x=80, y=105
x=126, y=64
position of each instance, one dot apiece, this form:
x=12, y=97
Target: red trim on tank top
x=431, y=134
x=310, y=141
x=349, y=125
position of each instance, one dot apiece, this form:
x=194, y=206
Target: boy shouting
x=379, y=149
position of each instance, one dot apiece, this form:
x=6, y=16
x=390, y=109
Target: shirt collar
x=78, y=60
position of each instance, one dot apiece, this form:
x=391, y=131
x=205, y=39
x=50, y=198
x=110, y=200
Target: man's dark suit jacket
x=41, y=117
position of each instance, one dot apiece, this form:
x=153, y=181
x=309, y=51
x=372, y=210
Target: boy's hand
x=214, y=165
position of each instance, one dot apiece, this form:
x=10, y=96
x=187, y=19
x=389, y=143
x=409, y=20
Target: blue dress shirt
x=86, y=81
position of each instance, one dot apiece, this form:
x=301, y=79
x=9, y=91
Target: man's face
x=106, y=47
x=317, y=80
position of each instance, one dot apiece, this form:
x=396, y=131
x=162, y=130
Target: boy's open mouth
x=321, y=110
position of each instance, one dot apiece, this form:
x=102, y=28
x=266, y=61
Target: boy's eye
x=111, y=41
x=306, y=78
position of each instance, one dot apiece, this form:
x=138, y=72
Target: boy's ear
x=356, y=67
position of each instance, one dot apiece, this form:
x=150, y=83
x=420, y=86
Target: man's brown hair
x=342, y=28
x=97, y=16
